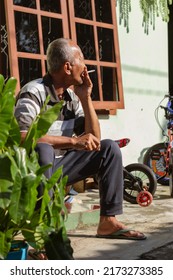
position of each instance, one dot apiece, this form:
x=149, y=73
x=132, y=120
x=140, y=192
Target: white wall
x=144, y=60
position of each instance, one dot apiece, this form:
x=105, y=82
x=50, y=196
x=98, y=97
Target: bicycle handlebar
x=169, y=107
x=169, y=96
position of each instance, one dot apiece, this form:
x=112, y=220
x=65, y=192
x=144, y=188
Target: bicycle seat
x=122, y=142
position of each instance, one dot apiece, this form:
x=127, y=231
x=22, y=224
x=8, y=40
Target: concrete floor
x=156, y=221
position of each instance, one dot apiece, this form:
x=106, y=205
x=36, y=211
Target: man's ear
x=67, y=68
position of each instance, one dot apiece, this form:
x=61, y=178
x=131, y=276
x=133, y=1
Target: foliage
x=124, y=10
x=150, y=10
x=20, y=176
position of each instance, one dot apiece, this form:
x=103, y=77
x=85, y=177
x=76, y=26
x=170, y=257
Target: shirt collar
x=47, y=80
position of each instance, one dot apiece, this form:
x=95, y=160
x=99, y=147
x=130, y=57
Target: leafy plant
x=150, y=10
x=20, y=176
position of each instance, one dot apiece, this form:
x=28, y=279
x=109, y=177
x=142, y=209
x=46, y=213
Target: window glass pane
x=93, y=77
x=106, y=44
x=103, y=11
x=52, y=29
x=83, y=9
x=25, y=3
x=109, y=83
x=50, y=6
x=29, y=69
x=26, y=32
x=85, y=39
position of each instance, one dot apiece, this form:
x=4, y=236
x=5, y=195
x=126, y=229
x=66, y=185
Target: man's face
x=78, y=67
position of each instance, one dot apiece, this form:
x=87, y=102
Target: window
x=4, y=57
x=32, y=24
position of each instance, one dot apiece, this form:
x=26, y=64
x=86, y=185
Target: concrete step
x=84, y=209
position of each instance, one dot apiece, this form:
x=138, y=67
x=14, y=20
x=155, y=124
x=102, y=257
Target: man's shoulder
x=33, y=86
x=34, y=90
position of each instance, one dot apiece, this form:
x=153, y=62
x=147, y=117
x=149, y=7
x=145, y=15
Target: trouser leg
x=106, y=164
x=46, y=156
x=110, y=179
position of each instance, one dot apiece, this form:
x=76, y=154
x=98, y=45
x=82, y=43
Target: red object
x=122, y=142
x=144, y=198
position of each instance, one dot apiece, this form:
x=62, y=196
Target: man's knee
x=45, y=152
x=111, y=147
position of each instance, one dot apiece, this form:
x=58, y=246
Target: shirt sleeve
x=26, y=110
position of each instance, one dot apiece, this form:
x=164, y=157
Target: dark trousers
x=106, y=164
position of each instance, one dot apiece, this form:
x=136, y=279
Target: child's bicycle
x=139, y=181
x=159, y=157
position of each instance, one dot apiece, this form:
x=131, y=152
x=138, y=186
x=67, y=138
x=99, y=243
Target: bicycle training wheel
x=138, y=177
x=144, y=198
x=155, y=159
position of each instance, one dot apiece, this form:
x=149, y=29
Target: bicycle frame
x=169, y=116
x=134, y=183
x=156, y=155
x=169, y=150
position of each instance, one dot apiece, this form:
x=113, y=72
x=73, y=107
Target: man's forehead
x=78, y=52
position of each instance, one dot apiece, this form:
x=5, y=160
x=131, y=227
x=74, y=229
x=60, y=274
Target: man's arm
x=84, y=93
x=91, y=120
x=85, y=142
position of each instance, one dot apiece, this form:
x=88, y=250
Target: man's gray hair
x=59, y=51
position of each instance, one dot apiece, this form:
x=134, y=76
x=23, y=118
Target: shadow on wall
x=147, y=71
x=155, y=74
x=144, y=91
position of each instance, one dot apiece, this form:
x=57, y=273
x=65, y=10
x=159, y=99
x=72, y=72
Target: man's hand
x=87, y=142
x=84, y=90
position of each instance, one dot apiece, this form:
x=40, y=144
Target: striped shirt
x=31, y=99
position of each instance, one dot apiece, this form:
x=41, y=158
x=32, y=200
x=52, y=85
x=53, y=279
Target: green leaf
x=21, y=160
x=41, y=125
x=14, y=137
x=50, y=183
x=13, y=166
x=28, y=229
x=5, y=193
x=5, y=164
x=10, y=86
x=1, y=83
x=41, y=234
x=7, y=103
x=58, y=205
x=5, y=243
x=23, y=197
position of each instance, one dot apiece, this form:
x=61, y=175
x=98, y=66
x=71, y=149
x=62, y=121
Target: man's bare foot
x=110, y=225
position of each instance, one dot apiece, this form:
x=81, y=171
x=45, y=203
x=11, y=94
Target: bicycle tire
x=143, y=175
x=158, y=166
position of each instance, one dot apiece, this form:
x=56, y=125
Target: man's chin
x=78, y=83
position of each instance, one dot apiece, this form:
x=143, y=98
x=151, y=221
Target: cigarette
x=90, y=71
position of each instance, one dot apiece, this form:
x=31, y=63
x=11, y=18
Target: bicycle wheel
x=155, y=159
x=138, y=177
